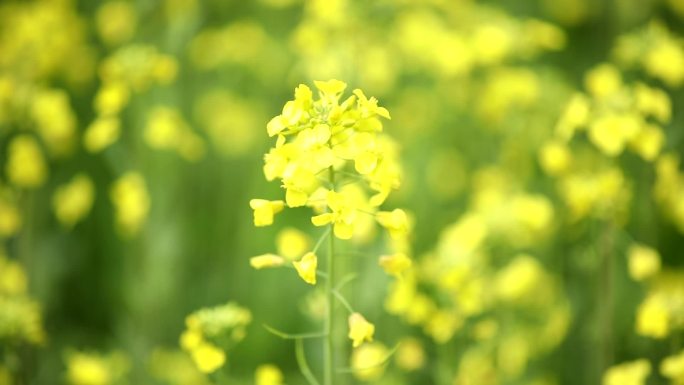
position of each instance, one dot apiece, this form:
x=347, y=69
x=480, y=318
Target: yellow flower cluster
x=661, y=313
x=89, y=368
x=655, y=49
x=668, y=190
x=21, y=317
x=318, y=139
x=476, y=296
x=209, y=324
x=131, y=202
x=615, y=116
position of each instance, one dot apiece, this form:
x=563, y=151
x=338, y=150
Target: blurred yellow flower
x=101, y=133
x=268, y=374
x=368, y=361
x=72, y=201
x=208, y=357
x=25, y=165
x=603, y=80
x=266, y=260
x=131, y=202
x=291, y=243
x=628, y=373
x=643, y=262
x=672, y=367
x=116, y=21
x=395, y=264
x=410, y=354
x=395, y=221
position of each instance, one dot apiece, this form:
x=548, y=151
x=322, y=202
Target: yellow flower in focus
x=291, y=243
x=643, y=262
x=268, y=374
x=131, y=202
x=603, y=80
x=25, y=165
x=332, y=87
x=73, y=201
x=396, y=222
x=672, y=367
x=395, y=264
x=368, y=361
x=266, y=260
x=208, y=357
x=101, y=133
x=410, y=355
x=342, y=214
x=360, y=330
x=116, y=21
x=628, y=373
x=265, y=210
x=306, y=267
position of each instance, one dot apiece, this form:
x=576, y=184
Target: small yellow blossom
x=116, y=21
x=72, y=201
x=95, y=369
x=653, y=318
x=342, y=214
x=603, y=80
x=396, y=222
x=672, y=367
x=25, y=165
x=643, y=262
x=266, y=260
x=208, y=357
x=410, y=355
x=306, y=267
x=291, y=243
x=395, y=264
x=131, y=201
x=265, y=210
x=555, y=157
x=10, y=218
x=360, y=330
x=628, y=373
x=368, y=361
x=191, y=339
x=111, y=98
x=102, y=133
x=268, y=374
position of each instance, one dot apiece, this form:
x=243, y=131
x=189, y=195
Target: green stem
x=328, y=360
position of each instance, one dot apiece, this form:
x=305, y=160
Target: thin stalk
x=328, y=360
x=607, y=296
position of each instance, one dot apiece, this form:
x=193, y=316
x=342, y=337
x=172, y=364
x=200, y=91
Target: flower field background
x=488, y=192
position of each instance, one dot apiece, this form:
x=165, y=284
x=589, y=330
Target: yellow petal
x=306, y=267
